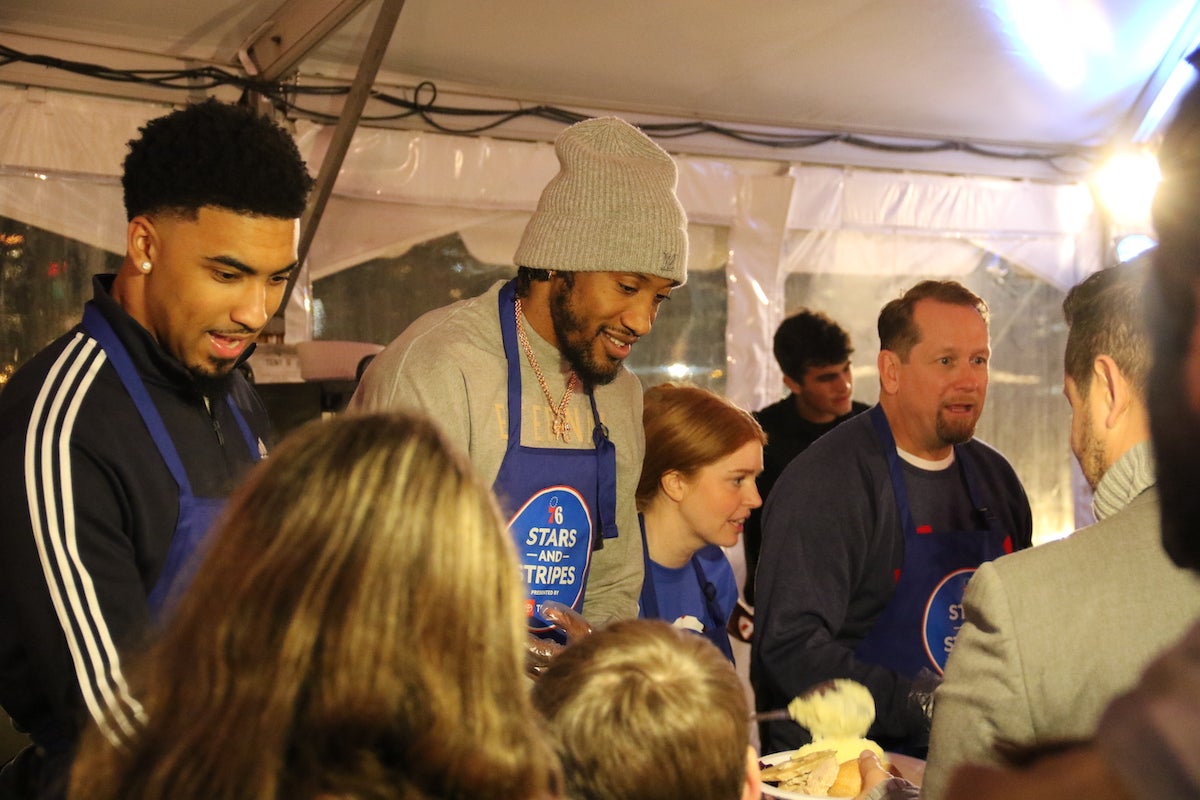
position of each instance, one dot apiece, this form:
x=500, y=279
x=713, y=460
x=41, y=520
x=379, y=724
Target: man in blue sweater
x=871, y=534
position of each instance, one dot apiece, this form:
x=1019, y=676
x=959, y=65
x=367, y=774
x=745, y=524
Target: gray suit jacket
x=1052, y=634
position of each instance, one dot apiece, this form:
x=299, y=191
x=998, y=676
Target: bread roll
x=848, y=782
x=847, y=749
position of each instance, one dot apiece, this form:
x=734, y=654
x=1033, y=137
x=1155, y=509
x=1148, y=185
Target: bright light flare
x=1125, y=186
x=678, y=371
x=1132, y=246
x=1062, y=37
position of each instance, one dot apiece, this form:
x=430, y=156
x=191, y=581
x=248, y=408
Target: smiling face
x=718, y=497
x=934, y=397
x=214, y=283
x=825, y=394
x=598, y=316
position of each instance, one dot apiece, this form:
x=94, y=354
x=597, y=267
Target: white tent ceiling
x=1043, y=76
x=1060, y=80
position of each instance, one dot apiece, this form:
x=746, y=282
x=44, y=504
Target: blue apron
x=559, y=498
x=916, y=629
x=196, y=514
x=715, y=633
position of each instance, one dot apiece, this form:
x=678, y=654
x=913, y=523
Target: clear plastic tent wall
x=768, y=237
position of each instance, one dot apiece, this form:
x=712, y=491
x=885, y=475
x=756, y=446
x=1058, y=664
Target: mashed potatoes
x=845, y=749
x=837, y=709
x=838, y=714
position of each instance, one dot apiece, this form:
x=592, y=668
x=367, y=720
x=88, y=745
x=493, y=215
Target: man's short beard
x=1093, y=454
x=212, y=383
x=957, y=433
x=579, y=354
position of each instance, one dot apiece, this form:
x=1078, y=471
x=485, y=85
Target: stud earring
x=145, y=266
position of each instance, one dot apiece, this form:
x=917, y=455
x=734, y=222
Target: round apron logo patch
x=553, y=534
x=944, y=616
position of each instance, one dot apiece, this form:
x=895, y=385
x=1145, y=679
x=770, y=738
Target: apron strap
x=963, y=457
x=649, y=598
x=896, y=472
x=606, y=475
x=717, y=635
x=99, y=329
x=606, y=451
x=102, y=331
x=508, y=334
x=247, y=434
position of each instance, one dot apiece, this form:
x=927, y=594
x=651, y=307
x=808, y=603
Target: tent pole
x=352, y=109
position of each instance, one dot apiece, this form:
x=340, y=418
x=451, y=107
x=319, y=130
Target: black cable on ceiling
x=424, y=106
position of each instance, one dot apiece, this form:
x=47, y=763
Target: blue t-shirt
x=681, y=599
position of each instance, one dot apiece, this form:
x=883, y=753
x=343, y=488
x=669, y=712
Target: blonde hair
x=641, y=710
x=688, y=428
x=355, y=629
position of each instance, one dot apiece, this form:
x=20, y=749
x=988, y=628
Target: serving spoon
x=841, y=697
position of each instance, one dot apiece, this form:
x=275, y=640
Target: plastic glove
x=920, y=696
x=879, y=784
x=872, y=772
x=540, y=652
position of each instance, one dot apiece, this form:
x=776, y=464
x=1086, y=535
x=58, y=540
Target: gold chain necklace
x=560, y=427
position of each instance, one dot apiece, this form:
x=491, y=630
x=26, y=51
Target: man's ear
x=1121, y=397
x=889, y=371
x=753, y=788
x=1117, y=392
x=792, y=386
x=141, y=240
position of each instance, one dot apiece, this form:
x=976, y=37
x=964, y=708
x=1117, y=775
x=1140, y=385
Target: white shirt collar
x=924, y=463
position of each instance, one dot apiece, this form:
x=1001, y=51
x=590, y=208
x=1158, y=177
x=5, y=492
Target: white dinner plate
x=911, y=768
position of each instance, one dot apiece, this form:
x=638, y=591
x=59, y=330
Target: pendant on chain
x=562, y=428
x=558, y=424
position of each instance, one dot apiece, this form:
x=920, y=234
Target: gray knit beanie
x=611, y=207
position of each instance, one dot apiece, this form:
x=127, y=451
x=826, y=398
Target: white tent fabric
x=60, y=156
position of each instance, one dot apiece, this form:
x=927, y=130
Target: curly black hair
x=215, y=154
x=809, y=339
